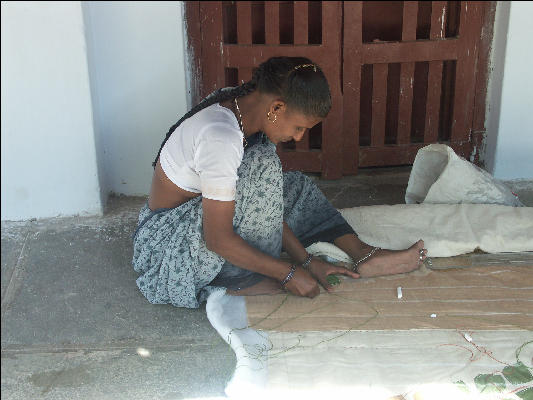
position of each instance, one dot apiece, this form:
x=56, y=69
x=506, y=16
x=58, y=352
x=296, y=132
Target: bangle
x=306, y=263
x=288, y=277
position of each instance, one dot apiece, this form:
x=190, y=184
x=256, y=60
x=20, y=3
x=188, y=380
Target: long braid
x=216, y=97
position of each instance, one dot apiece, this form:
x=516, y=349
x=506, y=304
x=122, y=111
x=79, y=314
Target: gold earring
x=275, y=117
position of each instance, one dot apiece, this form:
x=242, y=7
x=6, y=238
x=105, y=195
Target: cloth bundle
x=441, y=176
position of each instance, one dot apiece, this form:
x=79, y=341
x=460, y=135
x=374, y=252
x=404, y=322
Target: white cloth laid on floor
x=447, y=229
x=416, y=364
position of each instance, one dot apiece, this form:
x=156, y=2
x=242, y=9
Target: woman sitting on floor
x=221, y=210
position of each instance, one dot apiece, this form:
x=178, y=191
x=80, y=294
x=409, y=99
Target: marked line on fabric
x=372, y=289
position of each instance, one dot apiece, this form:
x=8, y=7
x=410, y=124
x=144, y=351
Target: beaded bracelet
x=306, y=263
x=289, y=277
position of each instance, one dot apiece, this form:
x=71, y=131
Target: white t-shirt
x=203, y=154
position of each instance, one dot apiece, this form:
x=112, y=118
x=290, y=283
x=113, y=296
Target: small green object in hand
x=333, y=280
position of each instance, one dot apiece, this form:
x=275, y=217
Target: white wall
x=494, y=87
x=509, y=145
x=48, y=150
x=137, y=65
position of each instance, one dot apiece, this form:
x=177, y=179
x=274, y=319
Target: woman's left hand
x=321, y=269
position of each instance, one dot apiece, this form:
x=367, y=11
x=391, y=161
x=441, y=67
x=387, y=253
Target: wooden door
x=402, y=74
x=410, y=82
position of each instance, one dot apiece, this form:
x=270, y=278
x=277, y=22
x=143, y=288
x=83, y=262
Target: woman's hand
x=303, y=284
x=321, y=269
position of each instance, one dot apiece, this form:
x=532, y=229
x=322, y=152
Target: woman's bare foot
x=389, y=262
x=266, y=286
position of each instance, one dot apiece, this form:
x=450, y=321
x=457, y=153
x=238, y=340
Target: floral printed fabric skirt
x=170, y=253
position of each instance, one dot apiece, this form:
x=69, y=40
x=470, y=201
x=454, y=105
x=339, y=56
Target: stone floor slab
x=169, y=373
x=78, y=287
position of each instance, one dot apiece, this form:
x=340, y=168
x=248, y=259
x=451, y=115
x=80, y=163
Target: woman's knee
x=296, y=181
x=260, y=161
x=260, y=174
x=269, y=156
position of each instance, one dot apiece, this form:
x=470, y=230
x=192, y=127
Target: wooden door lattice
x=399, y=80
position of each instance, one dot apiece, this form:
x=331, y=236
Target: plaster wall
x=48, y=151
x=509, y=143
x=137, y=63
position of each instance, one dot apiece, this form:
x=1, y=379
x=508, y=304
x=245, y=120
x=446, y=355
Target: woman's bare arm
x=292, y=245
x=221, y=239
x=318, y=268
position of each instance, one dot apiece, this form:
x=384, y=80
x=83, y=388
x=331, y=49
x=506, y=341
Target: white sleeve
x=216, y=162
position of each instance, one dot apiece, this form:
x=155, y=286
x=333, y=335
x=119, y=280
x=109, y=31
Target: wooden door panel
x=425, y=59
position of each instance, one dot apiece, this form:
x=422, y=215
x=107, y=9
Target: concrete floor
x=75, y=326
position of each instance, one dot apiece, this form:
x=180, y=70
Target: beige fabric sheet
x=471, y=298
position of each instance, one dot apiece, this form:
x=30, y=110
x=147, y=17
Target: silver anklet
x=355, y=266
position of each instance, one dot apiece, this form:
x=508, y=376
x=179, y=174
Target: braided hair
x=303, y=89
